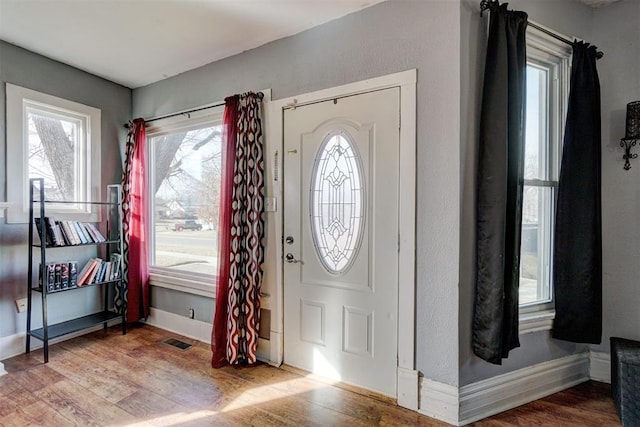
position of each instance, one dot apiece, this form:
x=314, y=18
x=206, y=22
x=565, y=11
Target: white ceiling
x=137, y=42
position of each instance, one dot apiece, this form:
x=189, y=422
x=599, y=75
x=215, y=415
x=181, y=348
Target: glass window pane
x=337, y=203
x=187, y=182
x=535, y=250
x=55, y=147
x=536, y=134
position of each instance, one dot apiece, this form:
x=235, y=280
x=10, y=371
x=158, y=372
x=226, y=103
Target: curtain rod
x=486, y=5
x=194, y=110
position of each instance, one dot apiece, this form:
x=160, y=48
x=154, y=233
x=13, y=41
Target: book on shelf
x=64, y=275
x=85, y=233
x=53, y=231
x=59, y=276
x=51, y=277
x=78, y=232
x=73, y=274
x=116, y=260
x=47, y=238
x=68, y=233
x=96, y=235
x=86, y=272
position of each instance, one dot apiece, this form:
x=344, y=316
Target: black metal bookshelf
x=113, y=244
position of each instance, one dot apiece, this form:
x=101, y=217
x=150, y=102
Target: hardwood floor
x=135, y=380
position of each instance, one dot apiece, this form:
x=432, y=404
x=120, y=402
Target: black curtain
x=499, y=187
x=577, y=261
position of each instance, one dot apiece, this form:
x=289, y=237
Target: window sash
x=20, y=103
x=193, y=282
x=553, y=58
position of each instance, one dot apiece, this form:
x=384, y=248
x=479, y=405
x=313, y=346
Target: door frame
x=407, y=376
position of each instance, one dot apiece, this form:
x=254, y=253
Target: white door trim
x=406, y=80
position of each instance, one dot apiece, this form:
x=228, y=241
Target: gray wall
x=572, y=19
x=383, y=39
x=616, y=31
x=401, y=35
x=443, y=40
x=33, y=71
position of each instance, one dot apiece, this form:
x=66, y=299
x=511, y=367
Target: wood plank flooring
x=135, y=380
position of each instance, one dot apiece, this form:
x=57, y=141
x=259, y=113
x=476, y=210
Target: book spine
x=64, y=275
x=83, y=229
x=50, y=222
x=76, y=229
x=39, y=224
x=115, y=272
x=51, y=277
x=58, y=277
x=97, y=232
x=73, y=274
x=66, y=234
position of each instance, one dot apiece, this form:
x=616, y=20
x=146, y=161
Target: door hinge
x=398, y=243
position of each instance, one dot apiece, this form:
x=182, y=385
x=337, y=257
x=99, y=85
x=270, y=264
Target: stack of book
x=65, y=233
x=59, y=276
x=99, y=271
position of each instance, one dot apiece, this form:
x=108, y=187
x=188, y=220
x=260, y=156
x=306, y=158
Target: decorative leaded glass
x=337, y=202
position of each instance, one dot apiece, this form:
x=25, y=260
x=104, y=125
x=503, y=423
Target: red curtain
x=135, y=207
x=234, y=337
x=219, y=333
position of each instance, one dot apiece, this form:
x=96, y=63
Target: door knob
x=290, y=259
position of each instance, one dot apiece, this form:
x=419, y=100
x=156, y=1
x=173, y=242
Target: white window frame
x=19, y=101
x=189, y=282
x=554, y=55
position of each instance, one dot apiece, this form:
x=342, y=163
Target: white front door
x=341, y=168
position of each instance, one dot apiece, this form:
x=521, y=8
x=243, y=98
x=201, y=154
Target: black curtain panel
x=499, y=187
x=577, y=261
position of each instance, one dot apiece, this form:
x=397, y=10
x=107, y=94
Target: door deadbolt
x=291, y=259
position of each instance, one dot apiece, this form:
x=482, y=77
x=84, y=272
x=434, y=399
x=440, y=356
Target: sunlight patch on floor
x=174, y=419
x=251, y=397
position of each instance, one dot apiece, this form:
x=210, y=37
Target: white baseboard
x=440, y=401
x=470, y=403
x=2, y=371
x=195, y=329
x=600, y=366
x=182, y=325
x=408, y=388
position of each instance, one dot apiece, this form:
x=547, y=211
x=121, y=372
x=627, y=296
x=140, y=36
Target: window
x=546, y=94
x=337, y=203
x=55, y=141
x=184, y=184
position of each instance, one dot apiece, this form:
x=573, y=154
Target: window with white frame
x=546, y=95
x=55, y=139
x=184, y=192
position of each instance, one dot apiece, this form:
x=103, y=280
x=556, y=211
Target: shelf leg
x=45, y=328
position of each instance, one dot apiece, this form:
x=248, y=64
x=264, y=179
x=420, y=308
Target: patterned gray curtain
x=236, y=323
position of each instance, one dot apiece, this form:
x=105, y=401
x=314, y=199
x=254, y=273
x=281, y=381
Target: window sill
x=536, y=321
x=189, y=285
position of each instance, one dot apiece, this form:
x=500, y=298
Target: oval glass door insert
x=337, y=202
